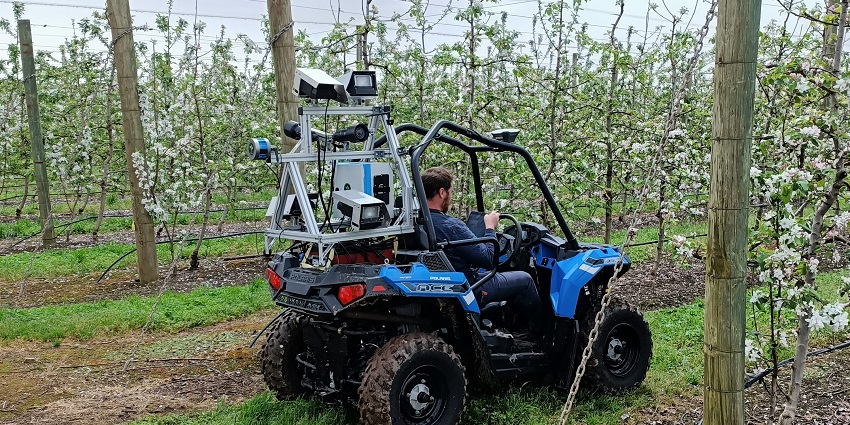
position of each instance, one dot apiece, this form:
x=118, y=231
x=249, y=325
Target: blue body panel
x=570, y=275
x=421, y=282
x=367, y=178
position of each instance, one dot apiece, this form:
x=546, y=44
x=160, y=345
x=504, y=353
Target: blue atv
x=388, y=326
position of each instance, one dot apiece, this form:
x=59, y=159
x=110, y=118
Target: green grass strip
x=201, y=306
x=82, y=261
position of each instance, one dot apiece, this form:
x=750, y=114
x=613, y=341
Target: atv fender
x=569, y=276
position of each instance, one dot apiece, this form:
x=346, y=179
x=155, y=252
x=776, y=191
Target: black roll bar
x=475, y=241
x=471, y=151
x=491, y=145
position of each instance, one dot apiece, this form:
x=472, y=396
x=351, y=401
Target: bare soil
x=85, y=382
x=825, y=398
x=651, y=286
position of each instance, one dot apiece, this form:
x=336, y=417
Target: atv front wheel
x=414, y=378
x=281, y=370
x=622, y=351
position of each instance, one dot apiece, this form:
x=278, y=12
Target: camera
x=366, y=212
x=317, y=84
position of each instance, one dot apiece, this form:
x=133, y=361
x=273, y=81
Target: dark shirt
x=467, y=259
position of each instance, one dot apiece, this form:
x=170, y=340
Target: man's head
x=437, y=182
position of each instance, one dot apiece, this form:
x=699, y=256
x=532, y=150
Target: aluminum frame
x=291, y=181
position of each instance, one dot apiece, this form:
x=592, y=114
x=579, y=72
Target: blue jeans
x=518, y=289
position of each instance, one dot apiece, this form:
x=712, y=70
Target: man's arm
x=479, y=255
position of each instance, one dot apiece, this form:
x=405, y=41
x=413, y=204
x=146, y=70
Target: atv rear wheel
x=414, y=378
x=281, y=370
x=622, y=351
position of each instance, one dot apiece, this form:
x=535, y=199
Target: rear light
x=274, y=279
x=349, y=293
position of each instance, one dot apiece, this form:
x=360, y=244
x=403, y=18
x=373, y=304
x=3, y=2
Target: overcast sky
x=52, y=20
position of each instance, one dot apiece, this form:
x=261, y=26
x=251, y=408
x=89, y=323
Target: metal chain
x=632, y=230
x=127, y=31
x=273, y=39
x=280, y=33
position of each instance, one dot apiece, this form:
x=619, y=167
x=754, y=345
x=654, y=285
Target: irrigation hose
x=123, y=216
x=759, y=376
x=54, y=228
x=762, y=374
x=259, y=334
x=194, y=239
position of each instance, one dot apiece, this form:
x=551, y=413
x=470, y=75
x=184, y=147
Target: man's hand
x=491, y=220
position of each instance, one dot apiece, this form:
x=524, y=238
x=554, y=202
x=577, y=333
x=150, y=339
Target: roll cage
x=487, y=145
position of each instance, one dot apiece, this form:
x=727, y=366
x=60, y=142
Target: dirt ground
x=825, y=398
x=83, y=382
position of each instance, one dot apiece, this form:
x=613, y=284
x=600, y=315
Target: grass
x=176, y=311
x=828, y=285
x=81, y=261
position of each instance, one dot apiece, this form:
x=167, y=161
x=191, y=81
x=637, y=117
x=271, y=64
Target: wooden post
x=41, y=184
x=128, y=85
x=283, y=58
x=728, y=210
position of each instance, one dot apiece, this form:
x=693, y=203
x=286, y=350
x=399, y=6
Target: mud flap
x=564, y=353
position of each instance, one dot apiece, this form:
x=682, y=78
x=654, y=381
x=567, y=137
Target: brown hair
x=436, y=178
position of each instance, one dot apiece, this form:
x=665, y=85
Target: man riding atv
x=515, y=287
x=398, y=309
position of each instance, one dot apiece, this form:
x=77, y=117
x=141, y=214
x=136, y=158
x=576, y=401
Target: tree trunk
x=728, y=211
x=228, y=194
x=283, y=59
x=609, y=132
x=659, y=247
x=134, y=142
x=803, y=330
x=194, y=262
x=23, y=203
x=107, y=160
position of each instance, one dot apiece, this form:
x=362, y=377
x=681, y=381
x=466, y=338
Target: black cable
x=266, y=327
x=667, y=239
x=758, y=377
x=54, y=228
x=762, y=374
x=271, y=170
x=194, y=239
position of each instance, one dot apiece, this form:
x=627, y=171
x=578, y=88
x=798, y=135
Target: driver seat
x=413, y=247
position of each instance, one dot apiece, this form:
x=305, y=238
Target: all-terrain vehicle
x=375, y=316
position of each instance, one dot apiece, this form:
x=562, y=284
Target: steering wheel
x=509, y=244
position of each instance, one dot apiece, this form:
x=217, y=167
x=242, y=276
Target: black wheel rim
x=622, y=350
x=424, y=395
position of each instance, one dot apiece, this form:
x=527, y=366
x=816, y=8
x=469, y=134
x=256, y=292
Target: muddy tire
x=622, y=351
x=414, y=378
x=281, y=370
